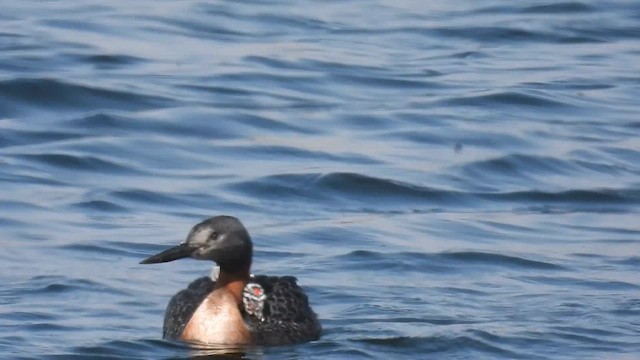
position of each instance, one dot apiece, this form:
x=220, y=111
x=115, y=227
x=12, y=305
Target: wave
x=80, y=163
x=51, y=93
x=460, y=261
x=384, y=192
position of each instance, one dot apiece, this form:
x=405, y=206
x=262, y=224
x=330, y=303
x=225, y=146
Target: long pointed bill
x=177, y=252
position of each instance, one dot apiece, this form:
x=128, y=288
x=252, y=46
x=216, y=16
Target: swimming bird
x=237, y=308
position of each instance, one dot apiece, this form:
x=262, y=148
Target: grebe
x=237, y=308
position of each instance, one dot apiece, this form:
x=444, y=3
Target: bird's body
x=287, y=316
x=237, y=308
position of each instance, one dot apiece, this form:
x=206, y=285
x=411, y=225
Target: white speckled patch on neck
x=215, y=272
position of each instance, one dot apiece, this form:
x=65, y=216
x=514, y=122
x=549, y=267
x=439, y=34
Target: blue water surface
x=447, y=179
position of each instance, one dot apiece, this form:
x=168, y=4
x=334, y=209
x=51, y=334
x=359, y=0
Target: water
x=447, y=179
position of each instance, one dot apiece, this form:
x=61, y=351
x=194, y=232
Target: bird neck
x=233, y=282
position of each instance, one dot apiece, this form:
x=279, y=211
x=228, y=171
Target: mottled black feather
x=288, y=318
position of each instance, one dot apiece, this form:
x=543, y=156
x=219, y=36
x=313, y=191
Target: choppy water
x=448, y=179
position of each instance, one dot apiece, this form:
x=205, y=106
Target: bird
x=236, y=308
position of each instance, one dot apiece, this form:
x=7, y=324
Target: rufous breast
x=217, y=321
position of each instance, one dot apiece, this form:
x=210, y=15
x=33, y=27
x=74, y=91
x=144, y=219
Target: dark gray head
x=222, y=239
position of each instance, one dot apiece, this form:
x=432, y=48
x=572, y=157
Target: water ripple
x=56, y=94
x=470, y=257
x=543, y=101
x=79, y=163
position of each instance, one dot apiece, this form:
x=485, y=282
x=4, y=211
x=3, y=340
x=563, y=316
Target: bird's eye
x=213, y=235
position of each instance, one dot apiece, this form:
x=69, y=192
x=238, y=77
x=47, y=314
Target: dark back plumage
x=287, y=316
